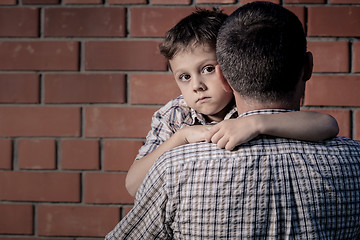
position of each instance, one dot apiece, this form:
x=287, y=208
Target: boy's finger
x=216, y=137
x=208, y=136
x=222, y=142
x=214, y=128
x=229, y=146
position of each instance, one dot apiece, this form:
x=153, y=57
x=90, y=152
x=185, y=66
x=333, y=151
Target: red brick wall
x=79, y=81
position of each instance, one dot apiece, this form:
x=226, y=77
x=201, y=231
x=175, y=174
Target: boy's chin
x=213, y=117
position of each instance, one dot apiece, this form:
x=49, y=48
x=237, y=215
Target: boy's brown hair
x=199, y=28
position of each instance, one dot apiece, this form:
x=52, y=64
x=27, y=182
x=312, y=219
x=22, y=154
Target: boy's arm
x=304, y=125
x=140, y=167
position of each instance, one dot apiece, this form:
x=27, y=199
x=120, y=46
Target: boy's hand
x=230, y=133
x=196, y=133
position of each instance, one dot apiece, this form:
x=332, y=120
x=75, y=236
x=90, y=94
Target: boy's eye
x=208, y=69
x=184, y=77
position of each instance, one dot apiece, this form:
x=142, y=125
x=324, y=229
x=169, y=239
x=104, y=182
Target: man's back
x=268, y=188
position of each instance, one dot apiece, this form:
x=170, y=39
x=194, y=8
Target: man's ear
x=224, y=83
x=308, y=66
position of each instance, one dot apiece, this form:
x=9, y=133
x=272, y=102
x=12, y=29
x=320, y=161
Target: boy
x=189, y=48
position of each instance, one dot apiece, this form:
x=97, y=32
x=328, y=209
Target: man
x=269, y=188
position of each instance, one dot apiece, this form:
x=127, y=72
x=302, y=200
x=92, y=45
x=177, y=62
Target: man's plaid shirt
x=270, y=188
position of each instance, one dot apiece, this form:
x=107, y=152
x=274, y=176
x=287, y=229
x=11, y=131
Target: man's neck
x=246, y=105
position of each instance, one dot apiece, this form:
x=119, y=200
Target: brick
x=8, y=2
x=304, y=1
x=126, y=210
x=36, y=238
x=330, y=56
x=39, y=55
x=41, y=1
x=92, y=221
x=215, y=1
x=228, y=9
x=120, y=154
x=19, y=88
x=178, y=2
x=356, y=56
x=37, y=154
x=89, y=238
x=344, y=1
x=127, y=1
x=85, y=88
x=83, y=1
x=357, y=125
x=154, y=22
x=249, y=1
x=344, y=121
x=40, y=186
x=19, y=22
x=152, y=88
x=80, y=154
x=337, y=90
x=333, y=21
x=39, y=121
x=124, y=55
x=117, y=121
x=85, y=22
x=342, y=117
x=6, y=153
x=106, y=188
x=16, y=219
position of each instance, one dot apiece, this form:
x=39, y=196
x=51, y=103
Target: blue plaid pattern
x=269, y=188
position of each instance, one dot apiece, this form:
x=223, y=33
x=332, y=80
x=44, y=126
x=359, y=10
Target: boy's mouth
x=202, y=99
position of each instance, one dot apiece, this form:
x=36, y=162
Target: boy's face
x=194, y=72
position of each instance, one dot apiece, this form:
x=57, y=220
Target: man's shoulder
x=264, y=146
x=340, y=141
x=192, y=152
x=333, y=146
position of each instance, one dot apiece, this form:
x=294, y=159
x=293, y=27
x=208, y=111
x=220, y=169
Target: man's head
x=261, y=50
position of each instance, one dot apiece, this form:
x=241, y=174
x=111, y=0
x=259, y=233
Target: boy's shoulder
x=178, y=101
x=177, y=104
x=176, y=114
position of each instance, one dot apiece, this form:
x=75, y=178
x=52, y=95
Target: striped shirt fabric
x=173, y=116
x=269, y=188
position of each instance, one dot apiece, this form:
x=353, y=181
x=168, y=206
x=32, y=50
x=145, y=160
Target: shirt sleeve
x=148, y=218
x=165, y=122
x=158, y=134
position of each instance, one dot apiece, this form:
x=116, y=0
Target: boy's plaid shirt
x=270, y=188
x=175, y=115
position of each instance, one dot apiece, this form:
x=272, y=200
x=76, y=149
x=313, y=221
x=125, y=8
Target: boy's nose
x=198, y=84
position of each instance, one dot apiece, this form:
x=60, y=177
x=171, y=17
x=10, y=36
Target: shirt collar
x=264, y=111
x=197, y=118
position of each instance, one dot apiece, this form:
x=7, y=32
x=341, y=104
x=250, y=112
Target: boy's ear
x=308, y=66
x=224, y=83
